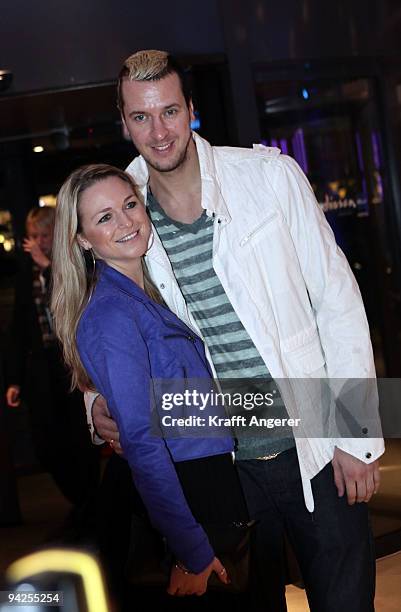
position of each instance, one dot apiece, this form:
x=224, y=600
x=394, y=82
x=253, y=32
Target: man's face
x=158, y=121
x=42, y=235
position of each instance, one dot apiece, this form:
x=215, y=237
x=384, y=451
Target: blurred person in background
x=36, y=373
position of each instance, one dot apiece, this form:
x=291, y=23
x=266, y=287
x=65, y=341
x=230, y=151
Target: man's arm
x=90, y=399
x=333, y=291
x=101, y=425
x=342, y=325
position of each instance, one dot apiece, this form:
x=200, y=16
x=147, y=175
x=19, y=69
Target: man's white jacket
x=288, y=282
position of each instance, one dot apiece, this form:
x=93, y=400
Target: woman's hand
x=185, y=583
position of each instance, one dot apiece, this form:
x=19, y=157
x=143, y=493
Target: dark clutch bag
x=149, y=560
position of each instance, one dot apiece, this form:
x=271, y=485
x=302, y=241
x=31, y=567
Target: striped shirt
x=234, y=355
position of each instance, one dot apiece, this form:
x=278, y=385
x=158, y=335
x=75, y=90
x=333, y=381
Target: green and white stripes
x=234, y=355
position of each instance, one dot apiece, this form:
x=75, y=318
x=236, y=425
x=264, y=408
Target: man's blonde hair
x=146, y=65
x=151, y=65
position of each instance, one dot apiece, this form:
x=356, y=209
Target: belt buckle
x=268, y=457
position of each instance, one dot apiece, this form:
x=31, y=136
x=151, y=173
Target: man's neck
x=179, y=192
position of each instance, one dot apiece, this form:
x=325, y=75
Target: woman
x=117, y=337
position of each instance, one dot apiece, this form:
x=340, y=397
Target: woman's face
x=114, y=223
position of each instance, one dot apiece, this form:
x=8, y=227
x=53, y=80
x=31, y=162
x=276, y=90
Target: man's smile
x=164, y=147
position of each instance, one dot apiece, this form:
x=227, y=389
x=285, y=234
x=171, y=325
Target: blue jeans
x=333, y=545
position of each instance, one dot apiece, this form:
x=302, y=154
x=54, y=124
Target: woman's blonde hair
x=73, y=276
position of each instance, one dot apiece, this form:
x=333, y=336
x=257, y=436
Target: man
x=243, y=254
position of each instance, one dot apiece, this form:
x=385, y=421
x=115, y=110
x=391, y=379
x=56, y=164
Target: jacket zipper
x=190, y=338
x=181, y=331
x=183, y=335
x=257, y=229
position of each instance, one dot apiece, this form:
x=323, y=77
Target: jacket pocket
x=304, y=352
x=263, y=225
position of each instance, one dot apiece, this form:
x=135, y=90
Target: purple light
x=376, y=150
x=283, y=146
x=295, y=148
x=303, y=150
x=359, y=151
x=298, y=146
x=365, y=193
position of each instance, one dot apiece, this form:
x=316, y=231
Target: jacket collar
x=110, y=276
x=107, y=274
x=212, y=199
